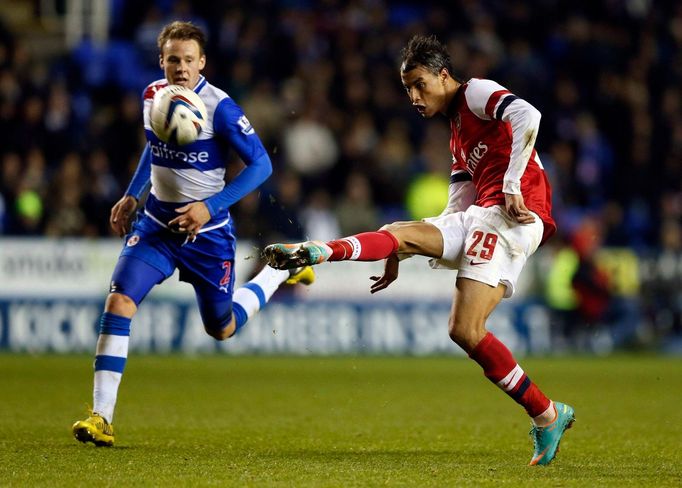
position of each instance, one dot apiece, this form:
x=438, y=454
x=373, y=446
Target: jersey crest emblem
x=458, y=121
x=133, y=240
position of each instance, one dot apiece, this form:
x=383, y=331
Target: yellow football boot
x=94, y=429
x=303, y=275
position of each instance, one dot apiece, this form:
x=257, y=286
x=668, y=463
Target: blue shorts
x=207, y=263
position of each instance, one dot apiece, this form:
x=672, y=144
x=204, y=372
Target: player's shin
x=367, y=246
x=110, y=360
x=501, y=368
x=252, y=296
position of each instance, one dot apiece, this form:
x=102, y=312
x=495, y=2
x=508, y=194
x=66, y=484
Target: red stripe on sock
x=373, y=246
x=497, y=362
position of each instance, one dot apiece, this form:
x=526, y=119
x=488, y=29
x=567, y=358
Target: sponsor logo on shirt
x=161, y=150
x=476, y=155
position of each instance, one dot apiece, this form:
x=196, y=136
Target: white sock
x=107, y=380
x=546, y=417
x=252, y=296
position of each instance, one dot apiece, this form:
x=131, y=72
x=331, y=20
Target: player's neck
x=452, y=89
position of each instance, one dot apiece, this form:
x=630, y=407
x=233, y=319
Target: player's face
x=182, y=62
x=426, y=90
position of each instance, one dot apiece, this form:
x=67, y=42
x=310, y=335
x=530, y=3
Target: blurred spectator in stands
x=606, y=290
x=318, y=218
x=29, y=213
x=594, y=163
x=282, y=206
x=30, y=130
x=559, y=294
x=102, y=188
x=390, y=171
x=356, y=211
x=309, y=146
x=147, y=32
x=663, y=292
x=266, y=113
x=61, y=132
x=427, y=192
x=65, y=214
x=122, y=137
x=10, y=183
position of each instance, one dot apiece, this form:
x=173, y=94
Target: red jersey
x=493, y=136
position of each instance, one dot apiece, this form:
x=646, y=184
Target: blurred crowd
x=320, y=83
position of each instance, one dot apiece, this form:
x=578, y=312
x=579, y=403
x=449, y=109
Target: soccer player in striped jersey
x=498, y=214
x=186, y=224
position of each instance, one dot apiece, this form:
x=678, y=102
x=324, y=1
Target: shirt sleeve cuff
x=511, y=187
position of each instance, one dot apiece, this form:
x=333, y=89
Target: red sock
x=368, y=246
x=502, y=369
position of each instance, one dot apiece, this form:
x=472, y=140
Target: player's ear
x=202, y=62
x=161, y=60
x=443, y=75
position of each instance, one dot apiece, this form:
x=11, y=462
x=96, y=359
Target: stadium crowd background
x=320, y=83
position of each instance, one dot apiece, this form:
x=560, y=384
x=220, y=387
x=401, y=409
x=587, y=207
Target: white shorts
x=486, y=245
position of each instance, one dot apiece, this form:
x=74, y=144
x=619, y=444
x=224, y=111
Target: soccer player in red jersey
x=498, y=214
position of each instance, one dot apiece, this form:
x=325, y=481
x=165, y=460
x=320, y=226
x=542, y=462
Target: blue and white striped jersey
x=196, y=171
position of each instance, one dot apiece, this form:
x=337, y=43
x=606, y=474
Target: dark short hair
x=428, y=52
x=184, y=31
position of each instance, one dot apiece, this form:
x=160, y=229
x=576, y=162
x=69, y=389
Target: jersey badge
x=244, y=123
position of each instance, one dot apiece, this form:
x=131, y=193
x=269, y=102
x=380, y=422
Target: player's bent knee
x=120, y=304
x=221, y=330
x=468, y=335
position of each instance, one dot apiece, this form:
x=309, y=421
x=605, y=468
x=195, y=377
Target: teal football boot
x=546, y=439
x=288, y=256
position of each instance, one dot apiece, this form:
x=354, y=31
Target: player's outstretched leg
x=94, y=429
x=289, y=256
x=546, y=439
x=367, y=246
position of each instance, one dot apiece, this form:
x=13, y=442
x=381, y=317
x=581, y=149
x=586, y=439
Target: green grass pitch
x=349, y=421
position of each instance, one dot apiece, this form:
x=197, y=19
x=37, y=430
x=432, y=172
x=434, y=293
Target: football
x=177, y=115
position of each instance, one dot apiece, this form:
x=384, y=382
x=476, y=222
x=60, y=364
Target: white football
x=177, y=115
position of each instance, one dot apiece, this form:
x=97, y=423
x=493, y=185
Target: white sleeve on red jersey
x=525, y=123
x=489, y=100
x=461, y=193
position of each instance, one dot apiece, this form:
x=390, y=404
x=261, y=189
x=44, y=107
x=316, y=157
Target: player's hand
x=192, y=218
x=121, y=215
x=391, y=266
x=517, y=209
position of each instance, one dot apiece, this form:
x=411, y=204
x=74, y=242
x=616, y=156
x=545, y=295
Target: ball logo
x=133, y=240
